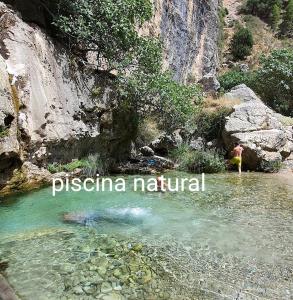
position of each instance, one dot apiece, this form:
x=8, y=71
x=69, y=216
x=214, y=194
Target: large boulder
x=26, y=178
x=51, y=110
x=241, y=92
x=147, y=151
x=258, y=128
x=166, y=142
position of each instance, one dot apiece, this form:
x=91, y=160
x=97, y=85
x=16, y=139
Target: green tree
x=233, y=78
x=158, y=94
x=273, y=81
x=241, y=44
x=287, y=24
x=262, y=8
x=275, y=16
x=107, y=30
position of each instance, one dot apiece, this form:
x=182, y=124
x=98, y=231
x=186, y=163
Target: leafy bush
x=3, y=132
x=108, y=29
x=273, y=80
x=275, y=16
x=241, y=44
x=209, y=124
x=96, y=164
x=92, y=165
x=287, y=24
x=261, y=8
x=205, y=162
x=271, y=166
x=159, y=95
x=147, y=132
x=54, y=168
x=233, y=78
x=197, y=161
x=75, y=164
x=177, y=155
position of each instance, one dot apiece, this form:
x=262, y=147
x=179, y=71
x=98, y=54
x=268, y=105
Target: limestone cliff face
x=189, y=31
x=47, y=109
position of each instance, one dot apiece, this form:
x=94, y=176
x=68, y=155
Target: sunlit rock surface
x=190, y=31
x=258, y=128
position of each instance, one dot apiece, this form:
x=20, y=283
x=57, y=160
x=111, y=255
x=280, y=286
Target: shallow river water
x=233, y=241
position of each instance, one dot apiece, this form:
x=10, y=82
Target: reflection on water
x=233, y=241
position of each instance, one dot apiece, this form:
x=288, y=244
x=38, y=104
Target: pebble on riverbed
x=111, y=270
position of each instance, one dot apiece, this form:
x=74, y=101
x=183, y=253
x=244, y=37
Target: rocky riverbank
x=85, y=267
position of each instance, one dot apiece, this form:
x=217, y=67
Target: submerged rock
x=6, y=291
x=106, y=287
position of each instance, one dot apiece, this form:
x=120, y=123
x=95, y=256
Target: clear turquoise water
x=236, y=238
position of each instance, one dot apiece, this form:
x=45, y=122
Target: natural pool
x=233, y=241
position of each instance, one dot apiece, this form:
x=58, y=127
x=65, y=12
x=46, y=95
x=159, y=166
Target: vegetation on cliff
x=262, y=54
x=273, y=11
x=107, y=31
x=272, y=80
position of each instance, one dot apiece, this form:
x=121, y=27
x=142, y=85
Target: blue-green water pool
x=233, y=240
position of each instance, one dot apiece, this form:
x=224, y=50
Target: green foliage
x=205, y=162
x=209, y=125
x=3, y=132
x=287, y=24
x=275, y=16
x=223, y=12
x=197, y=161
x=241, y=44
x=271, y=166
x=76, y=164
x=262, y=8
x=147, y=131
x=233, y=78
x=178, y=155
x=273, y=81
x=90, y=166
x=158, y=94
x=96, y=164
x=108, y=28
x=54, y=168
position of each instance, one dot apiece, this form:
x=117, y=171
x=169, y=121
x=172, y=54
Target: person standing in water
x=162, y=186
x=237, y=156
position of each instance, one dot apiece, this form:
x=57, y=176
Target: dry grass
x=213, y=104
x=286, y=121
x=147, y=131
